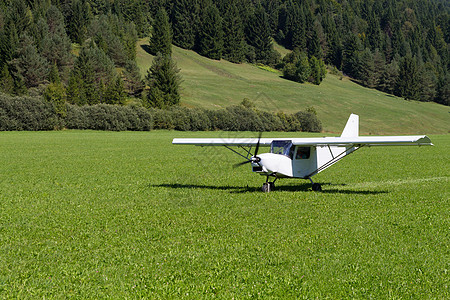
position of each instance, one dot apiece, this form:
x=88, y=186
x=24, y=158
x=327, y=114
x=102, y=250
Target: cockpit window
x=282, y=147
x=303, y=152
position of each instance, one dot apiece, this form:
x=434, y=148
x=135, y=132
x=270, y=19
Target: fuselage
x=288, y=160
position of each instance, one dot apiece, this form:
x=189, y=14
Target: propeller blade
x=257, y=145
x=241, y=163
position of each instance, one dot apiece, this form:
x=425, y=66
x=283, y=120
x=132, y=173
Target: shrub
x=27, y=113
x=108, y=117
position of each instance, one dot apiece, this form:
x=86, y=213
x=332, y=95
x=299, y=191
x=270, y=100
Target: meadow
x=216, y=84
x=86, y=214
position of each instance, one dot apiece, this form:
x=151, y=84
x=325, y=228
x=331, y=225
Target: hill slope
x=214, y=84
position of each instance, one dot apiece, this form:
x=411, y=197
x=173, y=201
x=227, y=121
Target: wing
x=244, y=142
x=358, y=141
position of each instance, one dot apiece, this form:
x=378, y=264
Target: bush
x=108, y=117
x=309, y=121
x=27, y=113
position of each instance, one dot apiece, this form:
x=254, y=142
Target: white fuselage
x=300, y=164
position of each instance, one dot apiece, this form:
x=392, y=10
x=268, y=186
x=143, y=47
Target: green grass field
x=214, y=84
x=87, y=214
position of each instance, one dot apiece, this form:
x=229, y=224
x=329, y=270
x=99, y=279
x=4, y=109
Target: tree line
x=83, y=51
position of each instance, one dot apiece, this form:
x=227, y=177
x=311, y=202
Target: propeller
x=254, y=158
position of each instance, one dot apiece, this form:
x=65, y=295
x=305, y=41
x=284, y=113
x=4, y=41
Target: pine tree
x=210, y=42
x=408, y=79
x=6, y=81
x=259, y=35
x=164, y=82
x=55, y=92
x=114, y=92
x=388, y=80
x=77, y=20
x=233, y=33
x=351, y=55
x=366, y=68
x=318, y=70
x=29, y=64
x=161, y=39
x=295, y=27
x=184, y=21
x=56, y=45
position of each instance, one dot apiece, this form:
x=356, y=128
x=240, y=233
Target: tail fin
x=352, y=127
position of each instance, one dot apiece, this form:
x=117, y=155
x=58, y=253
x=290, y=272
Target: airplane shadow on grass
x=304, y=187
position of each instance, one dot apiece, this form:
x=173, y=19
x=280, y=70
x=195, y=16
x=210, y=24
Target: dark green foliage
x=26, y=113
x=318, y=70
x=184, y=20
x=309, y=121
x=388, y=80
x=164, y=82
x=108, y=117
x=133, y=84
x=408, y=79
x=233, y=35
x=6, y=81
x=114, y=92
x=295, y=28
x=93, y=71
x=56, y=45
x=77, y=20
x=210, y=41
x=241, y=117
x=350, y=59
x=161, y=38
x=296, y=66
x=29, y=65
x=55, y=92
x=258, y=35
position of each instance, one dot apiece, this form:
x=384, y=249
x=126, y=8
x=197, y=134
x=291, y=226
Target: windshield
x=282, y=147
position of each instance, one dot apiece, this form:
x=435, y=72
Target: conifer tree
x=210, y=42
x=408, y=79
x=184, y=21
x=55, y=92
x=164, y=83
x=56, y=45
x=29, y=64
x=233, y=33
x=114, y=92
x=318, y=70
x=6, y=80
x=259, y=34
x=161, y=38
x=77, y=20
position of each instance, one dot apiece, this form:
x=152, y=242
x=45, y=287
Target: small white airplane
x=303, y=157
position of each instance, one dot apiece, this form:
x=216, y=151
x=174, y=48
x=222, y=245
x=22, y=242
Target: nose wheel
x=268, y=186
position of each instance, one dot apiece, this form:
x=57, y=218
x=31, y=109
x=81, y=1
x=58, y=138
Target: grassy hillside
x=215, y=84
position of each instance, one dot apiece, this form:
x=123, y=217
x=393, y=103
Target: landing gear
x=268, y=186
x=316, y=187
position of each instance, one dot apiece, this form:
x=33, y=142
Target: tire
x=271, y=186
x=265, y=187
x=316, y=187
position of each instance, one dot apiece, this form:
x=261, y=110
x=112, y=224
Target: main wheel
x=316, y=187
x=265, y=187
x=271, y=185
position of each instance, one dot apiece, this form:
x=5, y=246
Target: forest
x=83, y=52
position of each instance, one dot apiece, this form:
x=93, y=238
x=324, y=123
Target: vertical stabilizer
x=352, y=127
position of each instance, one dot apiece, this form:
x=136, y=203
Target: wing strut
x=334, y=160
